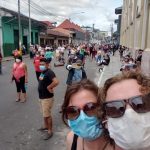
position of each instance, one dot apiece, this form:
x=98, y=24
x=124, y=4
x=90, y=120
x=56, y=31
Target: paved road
x=19, y=122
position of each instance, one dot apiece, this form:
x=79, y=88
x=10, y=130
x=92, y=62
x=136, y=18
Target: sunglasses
x=116, y=109
x=73, y=112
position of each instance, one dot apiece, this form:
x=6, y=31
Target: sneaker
x=17, y=100
x=48, y=136
x=42, y=129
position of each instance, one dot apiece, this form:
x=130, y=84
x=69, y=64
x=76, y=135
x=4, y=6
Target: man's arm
x=54, y=83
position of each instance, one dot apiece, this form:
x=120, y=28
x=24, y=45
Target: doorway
x=25, y=43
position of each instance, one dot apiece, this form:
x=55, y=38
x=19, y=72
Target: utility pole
x=19, y=24
x=29, y=24
x=1, y=37
x=112, y=31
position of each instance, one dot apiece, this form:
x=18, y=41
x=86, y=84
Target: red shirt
x=37, y=64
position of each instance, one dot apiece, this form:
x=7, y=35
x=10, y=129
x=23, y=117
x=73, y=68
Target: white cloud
x=99, y=12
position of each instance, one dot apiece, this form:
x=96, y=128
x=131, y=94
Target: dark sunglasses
x=115, y=109
x=73, y=112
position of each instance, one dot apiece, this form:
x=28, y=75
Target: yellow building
x=135, y=24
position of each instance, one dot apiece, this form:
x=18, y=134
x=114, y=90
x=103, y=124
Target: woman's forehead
x=82, y=97
x=123, y=89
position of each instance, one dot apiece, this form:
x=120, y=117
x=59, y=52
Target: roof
x=64, y=31
x=23, y=17
x=49, y=24
x=56, y=33
x=67, y=24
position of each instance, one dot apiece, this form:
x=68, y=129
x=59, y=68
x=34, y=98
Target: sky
x=82, y=12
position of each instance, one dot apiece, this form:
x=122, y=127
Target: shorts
x=46, y=106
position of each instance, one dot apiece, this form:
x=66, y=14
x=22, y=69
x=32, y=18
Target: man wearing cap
x=76, y=72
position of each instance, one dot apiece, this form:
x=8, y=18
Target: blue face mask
x=89, y=128
x=42, y=68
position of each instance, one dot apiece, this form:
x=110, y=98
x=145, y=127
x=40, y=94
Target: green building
x=9, y=31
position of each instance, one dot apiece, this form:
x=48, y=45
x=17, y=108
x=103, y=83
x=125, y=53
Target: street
x=19, y=121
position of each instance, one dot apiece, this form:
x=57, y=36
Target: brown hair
x=76, y=87
x=141, y=79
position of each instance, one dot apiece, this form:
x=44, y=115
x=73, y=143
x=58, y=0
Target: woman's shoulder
x=70, y=136
x=69, y=140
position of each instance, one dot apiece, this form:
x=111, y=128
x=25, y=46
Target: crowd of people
x=113, y=117
x=129, y=62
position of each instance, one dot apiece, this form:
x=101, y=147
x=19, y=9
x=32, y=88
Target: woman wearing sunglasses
x=81, y=111
x=127, y=109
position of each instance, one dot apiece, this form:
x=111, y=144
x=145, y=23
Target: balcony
x=118, y=11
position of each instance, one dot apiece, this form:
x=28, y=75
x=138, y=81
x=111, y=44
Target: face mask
x=130, y=62
x=37, y=55
x=42, y=68
x=86, y=127
x=18, y=60
x=131, y=131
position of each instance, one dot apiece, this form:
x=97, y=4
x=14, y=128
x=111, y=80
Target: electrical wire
x=38, y=9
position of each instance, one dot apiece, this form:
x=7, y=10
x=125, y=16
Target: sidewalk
x=9, y=58
x=112, y=69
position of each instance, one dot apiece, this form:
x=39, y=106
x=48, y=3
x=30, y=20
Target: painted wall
x=8, y=28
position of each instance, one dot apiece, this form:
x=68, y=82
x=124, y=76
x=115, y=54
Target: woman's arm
x=26, y=73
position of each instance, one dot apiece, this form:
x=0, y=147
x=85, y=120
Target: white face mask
x=18, y=60
x=130, y=62
x=131, y=131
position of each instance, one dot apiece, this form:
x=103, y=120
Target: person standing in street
x=0, y=62
x=47, y=83
x=36, y=63
x=20, y=75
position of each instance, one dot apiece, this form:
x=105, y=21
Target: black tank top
x=74, y=143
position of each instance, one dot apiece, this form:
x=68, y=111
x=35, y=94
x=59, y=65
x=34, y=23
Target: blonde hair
x=141, y=79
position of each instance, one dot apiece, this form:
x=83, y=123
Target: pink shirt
x=18, y=70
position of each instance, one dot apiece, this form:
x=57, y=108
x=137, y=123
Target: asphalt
x=19, y=122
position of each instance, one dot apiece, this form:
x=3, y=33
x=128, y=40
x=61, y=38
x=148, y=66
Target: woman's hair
x=76, y=87
x=141, y=79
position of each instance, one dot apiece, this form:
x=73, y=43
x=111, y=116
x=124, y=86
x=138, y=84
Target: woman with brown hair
x=82, y=112
x=127, y=110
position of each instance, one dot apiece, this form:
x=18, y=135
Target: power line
x=42, y=9
x=38, y=9
x=25, y=8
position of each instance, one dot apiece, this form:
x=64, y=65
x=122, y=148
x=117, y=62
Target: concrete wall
x=135, y=24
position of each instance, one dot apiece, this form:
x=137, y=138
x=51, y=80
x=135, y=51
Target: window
x=138, y=9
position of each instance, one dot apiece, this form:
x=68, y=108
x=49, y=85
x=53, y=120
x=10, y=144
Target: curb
x=12, y=58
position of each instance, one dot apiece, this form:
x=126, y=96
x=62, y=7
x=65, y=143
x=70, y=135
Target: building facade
x=135, y=24
x=78, y=35
x=9, y=31
x=118, y=11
